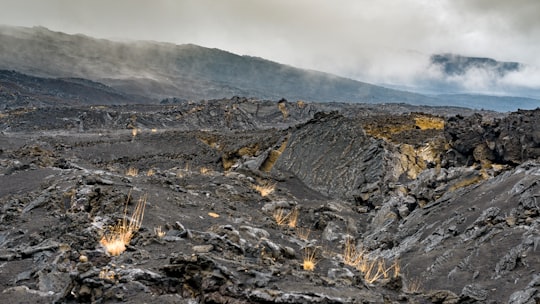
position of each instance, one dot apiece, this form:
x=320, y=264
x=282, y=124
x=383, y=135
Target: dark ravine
x=452, y=199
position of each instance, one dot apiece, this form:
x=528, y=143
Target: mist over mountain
x=451, y=74
x=155, y=71
x=161, y=70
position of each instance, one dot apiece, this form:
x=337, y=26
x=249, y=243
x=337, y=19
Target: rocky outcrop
x=334, y=156
x=510, y=140
x=360, y=205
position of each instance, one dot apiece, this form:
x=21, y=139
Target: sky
x=378, y=41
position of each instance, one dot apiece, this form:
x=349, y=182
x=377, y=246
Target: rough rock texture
x=510, y=140
x=333, y=155
x=242, y=194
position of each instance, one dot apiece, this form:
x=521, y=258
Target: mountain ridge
x=160, y=70
x=185, y=71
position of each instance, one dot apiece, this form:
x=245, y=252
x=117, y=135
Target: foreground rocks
x=241, y=193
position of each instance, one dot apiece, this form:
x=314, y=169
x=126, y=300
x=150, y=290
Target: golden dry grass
x=413, y=285
x=283, y=218
x=310, y=261
x=303, y=233
x=107, y=274
x=280, y=216
x=352, y=256
x=158, y=232
x=283, y=108
x=131, y=171
x=150, y=172
x=373, y=269
x=292, y=220
x=119, y=235
x=205, y=171
x=265, y=188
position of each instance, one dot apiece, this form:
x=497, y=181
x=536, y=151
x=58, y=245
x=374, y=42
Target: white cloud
x=385, y=41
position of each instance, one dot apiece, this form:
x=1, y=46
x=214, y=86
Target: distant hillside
x=160, y=70
x=499, y=103
x=20, y=90
x=80, y=69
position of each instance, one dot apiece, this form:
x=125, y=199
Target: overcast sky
x=375, y=41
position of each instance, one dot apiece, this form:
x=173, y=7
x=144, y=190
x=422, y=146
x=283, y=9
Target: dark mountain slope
x=161, y=70
x=20, y=90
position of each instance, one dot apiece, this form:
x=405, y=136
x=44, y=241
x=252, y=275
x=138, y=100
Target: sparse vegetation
x=115, y=240
x=373, y=269
x=107, y=274
x=158, y=232
x=132, y=171
x=293, y=218
x=303, y=233
x=310, y=260
x=205, y=171
x=413, y=285
x=282, y=106
x=283, y=218
x=265, y=188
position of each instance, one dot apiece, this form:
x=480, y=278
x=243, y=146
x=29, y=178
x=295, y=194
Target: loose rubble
x=245, y=204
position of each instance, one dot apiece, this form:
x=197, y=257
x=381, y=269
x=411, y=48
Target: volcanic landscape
x=390, y=204
x=113, y=197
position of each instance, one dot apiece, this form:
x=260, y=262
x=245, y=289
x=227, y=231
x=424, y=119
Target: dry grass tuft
x=310, y=260
x=303, y=233
x=205, y=171
x=107, y=274
x=282, y=218
x=159, y=233
x=283, y=109
x=265, y=189
x=352, y=256
x=413, y=285
x=119, y=235
x=131, y=171
x=293, y=218
x=373, y=269
x=279, y=216
x=150, y=172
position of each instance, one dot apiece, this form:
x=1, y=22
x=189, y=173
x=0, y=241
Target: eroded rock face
x=333, y=155
x=484, y=234
x=510, y=140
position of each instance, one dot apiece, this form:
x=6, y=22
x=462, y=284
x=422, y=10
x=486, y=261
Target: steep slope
x=162, y=70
